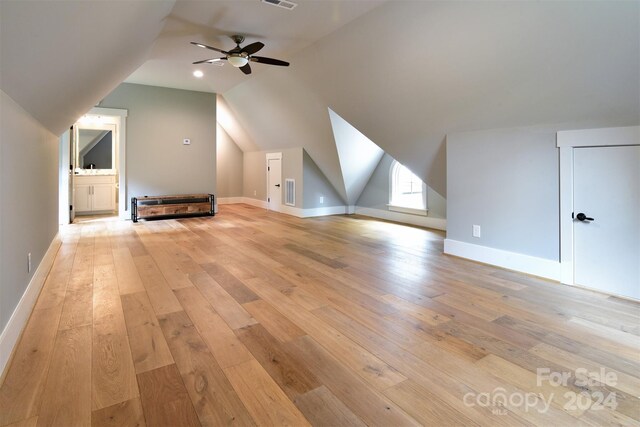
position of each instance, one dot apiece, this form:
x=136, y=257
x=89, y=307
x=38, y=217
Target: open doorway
x=92, y=167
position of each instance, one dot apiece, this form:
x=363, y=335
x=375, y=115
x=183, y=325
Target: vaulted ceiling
x=404, y=73
x=59, y=58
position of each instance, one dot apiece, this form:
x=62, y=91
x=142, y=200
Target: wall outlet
x=255, y=193
x=186, y=141
x=29, y=262
x=321, y=200
x=476, y=231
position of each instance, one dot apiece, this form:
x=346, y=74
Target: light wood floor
x=252, y=317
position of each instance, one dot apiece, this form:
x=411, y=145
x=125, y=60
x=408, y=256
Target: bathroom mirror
x=95, y=148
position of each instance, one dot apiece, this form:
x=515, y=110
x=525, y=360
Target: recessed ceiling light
x=198, y=74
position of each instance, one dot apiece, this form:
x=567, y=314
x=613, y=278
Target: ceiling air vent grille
x=281, y=3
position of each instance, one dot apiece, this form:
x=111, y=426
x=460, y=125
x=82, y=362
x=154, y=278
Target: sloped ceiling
x=283, y=32
x=59, y=58
x=404, y=73
x=227, y=119
x=358, y=156
x=407, y=73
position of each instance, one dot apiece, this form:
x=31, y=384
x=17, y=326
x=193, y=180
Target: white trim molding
x=404, y=218
x=410, y=211
x=422, y=221
x=566, y=141
x=273, y=156
x=117, y=117
x=246, y=200
x=230, y=200
x=603, y=137
x=528, y=264
x=18, y=320
x=313, y=212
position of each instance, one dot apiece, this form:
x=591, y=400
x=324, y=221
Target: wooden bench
x=184, y=205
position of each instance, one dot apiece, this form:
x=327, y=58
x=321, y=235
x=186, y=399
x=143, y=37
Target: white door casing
x=274, y=181
x=70, y=171
x=606, y=187
x=568, y=142
x=118, y=118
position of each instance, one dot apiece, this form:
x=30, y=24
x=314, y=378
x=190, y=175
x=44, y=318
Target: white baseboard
x=312, y=212
x=437, y=223
x=11, y=333
x=230, y=200
x=422, y=221
x=528, y=264
x=254, y=202
x=289, y=210
x=247, y=200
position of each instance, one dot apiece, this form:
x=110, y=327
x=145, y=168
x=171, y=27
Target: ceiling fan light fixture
x=238, y=61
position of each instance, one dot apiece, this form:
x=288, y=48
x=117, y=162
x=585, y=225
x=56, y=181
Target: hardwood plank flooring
x=123, y=414
x=165, y=400
x=257, y=318
x=66, y=399
x=214, y=400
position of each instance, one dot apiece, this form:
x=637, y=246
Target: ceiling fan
x=240, y=57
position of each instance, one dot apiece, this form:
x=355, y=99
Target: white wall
x=317, y=185
x=506, y=181
x=159, y=119
x=254, y=181
x=29, y=194
x=255, y=173
x=229, y=168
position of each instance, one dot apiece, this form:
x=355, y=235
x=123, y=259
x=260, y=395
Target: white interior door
x=606, y=201
x=274, y=184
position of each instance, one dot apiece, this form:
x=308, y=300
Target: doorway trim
x=567, y=141
x=117, y=117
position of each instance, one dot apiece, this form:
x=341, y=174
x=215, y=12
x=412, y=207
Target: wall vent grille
x=289, y=5
x=290, y=192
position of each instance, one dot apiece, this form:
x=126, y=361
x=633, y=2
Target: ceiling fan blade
x=210, y=61
x=204, y=46
x=253, y=47
x=270, y=61
x=246, y=69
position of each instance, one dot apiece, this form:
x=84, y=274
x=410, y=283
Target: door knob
x=582, y=217
x=278, y=185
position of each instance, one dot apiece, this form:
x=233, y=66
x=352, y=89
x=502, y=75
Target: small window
x=407, y=192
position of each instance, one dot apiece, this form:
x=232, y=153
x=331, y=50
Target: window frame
x=394, y=172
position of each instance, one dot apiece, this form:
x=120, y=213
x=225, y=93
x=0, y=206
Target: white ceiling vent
x=281, y=3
